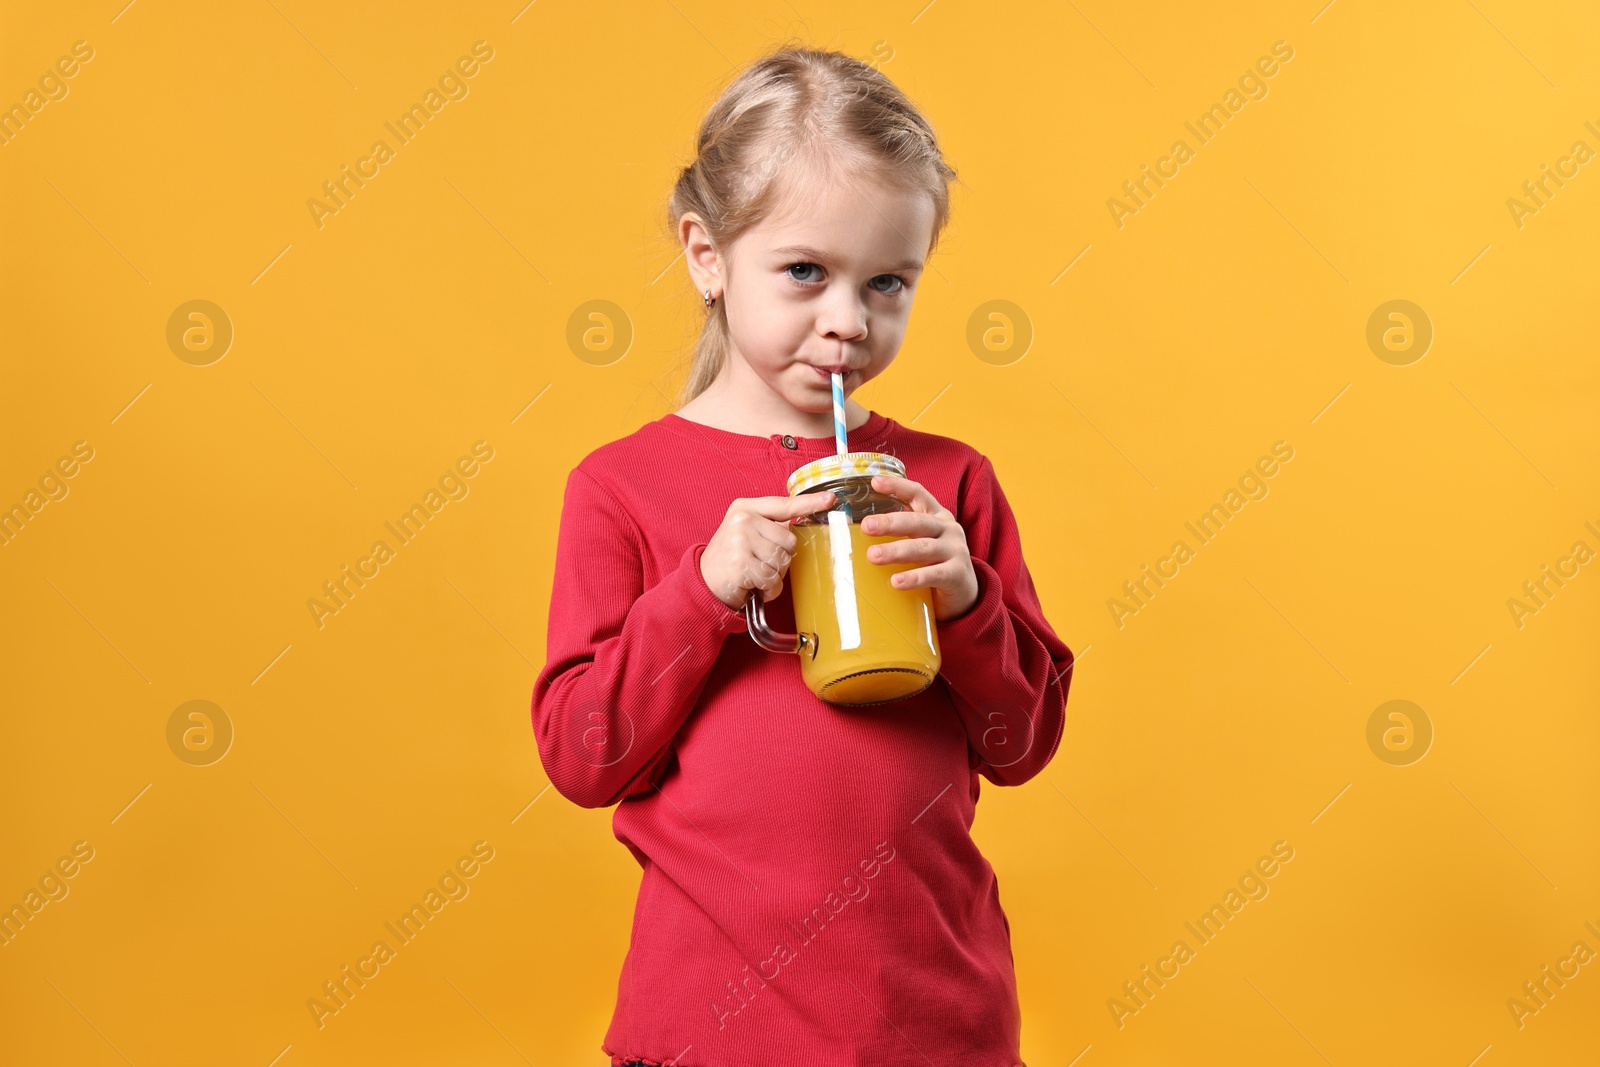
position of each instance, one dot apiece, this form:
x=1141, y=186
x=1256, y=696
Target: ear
x=705, y=263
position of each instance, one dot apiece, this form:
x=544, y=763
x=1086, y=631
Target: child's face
x=829, y=287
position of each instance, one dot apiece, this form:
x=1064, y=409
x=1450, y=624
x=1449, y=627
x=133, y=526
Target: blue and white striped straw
x=839, y=438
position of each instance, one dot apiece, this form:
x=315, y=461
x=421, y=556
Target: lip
x=826, y=372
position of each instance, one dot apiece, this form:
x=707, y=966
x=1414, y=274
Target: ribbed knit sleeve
x=625, y=665
x=1007, y=671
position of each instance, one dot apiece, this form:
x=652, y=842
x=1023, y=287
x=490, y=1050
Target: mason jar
x=860, y=640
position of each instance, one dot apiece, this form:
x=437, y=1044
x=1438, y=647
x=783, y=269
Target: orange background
x=1119, y=399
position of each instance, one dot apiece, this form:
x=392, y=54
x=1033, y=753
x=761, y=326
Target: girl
x=811, y=893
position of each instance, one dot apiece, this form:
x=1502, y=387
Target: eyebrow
x=807, y=252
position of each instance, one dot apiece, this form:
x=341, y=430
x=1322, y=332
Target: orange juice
x=875, y=643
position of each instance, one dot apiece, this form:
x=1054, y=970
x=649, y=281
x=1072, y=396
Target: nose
x=842, y=317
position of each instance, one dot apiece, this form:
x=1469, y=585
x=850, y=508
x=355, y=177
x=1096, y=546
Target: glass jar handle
x=755, y=618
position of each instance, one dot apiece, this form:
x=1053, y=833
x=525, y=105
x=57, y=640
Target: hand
x=754, y=545
x=934, y=537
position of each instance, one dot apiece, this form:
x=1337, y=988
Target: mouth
x=826, y=373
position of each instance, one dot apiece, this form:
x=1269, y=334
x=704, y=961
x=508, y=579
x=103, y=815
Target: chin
x=811, y=393
x=812, y=404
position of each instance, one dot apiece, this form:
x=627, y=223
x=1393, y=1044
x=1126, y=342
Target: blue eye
x=899, y=287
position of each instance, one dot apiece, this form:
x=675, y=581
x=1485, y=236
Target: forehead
x=852, y=220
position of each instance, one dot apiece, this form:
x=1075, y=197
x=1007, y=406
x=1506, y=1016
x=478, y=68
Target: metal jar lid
x=846, y=465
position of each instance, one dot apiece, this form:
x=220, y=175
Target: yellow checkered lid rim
x=849, y=464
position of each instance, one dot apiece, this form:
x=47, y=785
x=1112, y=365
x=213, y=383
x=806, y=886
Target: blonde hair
x=797, y=111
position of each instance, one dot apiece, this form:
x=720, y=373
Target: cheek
x=889, y=332
x=768, y=330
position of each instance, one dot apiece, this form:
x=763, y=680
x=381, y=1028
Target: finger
x=772, y=588
x=769, y=560
x=784, y=508
x=921, y=577
x=906, y=523
x=914, y=494
x=775, y=554
x=908, y=550
x=771, y=539
x=756, y=579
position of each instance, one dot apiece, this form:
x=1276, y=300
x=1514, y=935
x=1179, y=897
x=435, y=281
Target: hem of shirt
x=618, y=1060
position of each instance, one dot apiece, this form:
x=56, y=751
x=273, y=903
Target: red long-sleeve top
x=811, y=892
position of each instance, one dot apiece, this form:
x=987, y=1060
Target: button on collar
x=789, y=442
